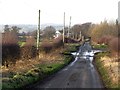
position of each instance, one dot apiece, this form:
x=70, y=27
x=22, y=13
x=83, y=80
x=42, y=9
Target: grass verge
x=104, y=72
x=21, y=43
x=71, y=48
x=100, y=46
x=38, y=73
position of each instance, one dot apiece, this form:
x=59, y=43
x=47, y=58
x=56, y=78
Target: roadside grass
x=20, y=43
x=100, y=46
x=71, y=48
x=105, y=71
x=33, y=75
x=31, y=71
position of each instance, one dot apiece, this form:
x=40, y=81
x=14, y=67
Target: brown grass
x=30, y=41
x=114, y=46
x=28, y=52
x=105, y=39
x=47, y=46
x=23, y=66
x=112, y=67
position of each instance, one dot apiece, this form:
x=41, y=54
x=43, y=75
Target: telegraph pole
x=64, y=28
x=69, y=27
x=80, y=35
x=38, y=31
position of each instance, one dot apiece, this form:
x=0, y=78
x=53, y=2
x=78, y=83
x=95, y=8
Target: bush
x=114, y=46
x=9, y=38
x=103, y=29
x=10, y=53
x=10, y=48
x=69, y=40
x=58, y=42
x=105, y=39
x=28, y=52
x=46, y=47
x=30, y=41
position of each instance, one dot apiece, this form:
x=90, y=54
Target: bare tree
x=49, y=32
x=10, y=35
x=103, y=29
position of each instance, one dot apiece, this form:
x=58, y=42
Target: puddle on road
x=88, y=56
x=86, y=53
x=74, y=61
x=75, y=53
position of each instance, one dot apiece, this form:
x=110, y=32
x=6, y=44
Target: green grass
x=72, y=48
x=33, y=75
x=103, y=71
x=21, y=43
x=100, y=46
x=38, y=73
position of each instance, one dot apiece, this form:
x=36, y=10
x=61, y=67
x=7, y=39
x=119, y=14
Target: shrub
x=114, y=46
x=105, y=39
x=46, y=46
x=69, y=40
x=9, y=38
x=30, y=41
x=10, y=48
x=58, y=42
x=103, y=29
x=28, y=52
x=10, y=53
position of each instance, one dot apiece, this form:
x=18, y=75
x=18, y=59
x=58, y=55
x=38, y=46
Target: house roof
x=57, y=32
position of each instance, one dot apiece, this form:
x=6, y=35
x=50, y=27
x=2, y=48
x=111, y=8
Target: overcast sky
x=26, y=11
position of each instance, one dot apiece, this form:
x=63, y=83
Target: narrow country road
x=81, y=73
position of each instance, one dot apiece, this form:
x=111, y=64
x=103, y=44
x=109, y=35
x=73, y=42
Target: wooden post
x=82, y=38
x=80, y=35
x=69, y=27
x=38, y=31
x=64, y=28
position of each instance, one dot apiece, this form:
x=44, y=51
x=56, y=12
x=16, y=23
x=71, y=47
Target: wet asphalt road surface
x=81, y=73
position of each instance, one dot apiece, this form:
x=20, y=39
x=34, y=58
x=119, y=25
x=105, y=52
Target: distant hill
x=32, y=27
x=56, y=26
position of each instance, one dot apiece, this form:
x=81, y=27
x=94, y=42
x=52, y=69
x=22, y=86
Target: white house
x=57, y=34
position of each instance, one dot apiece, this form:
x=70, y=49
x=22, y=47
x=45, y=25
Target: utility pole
x=64, y=28
x=38, y=31
x=80, y=35
x=69, y=27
